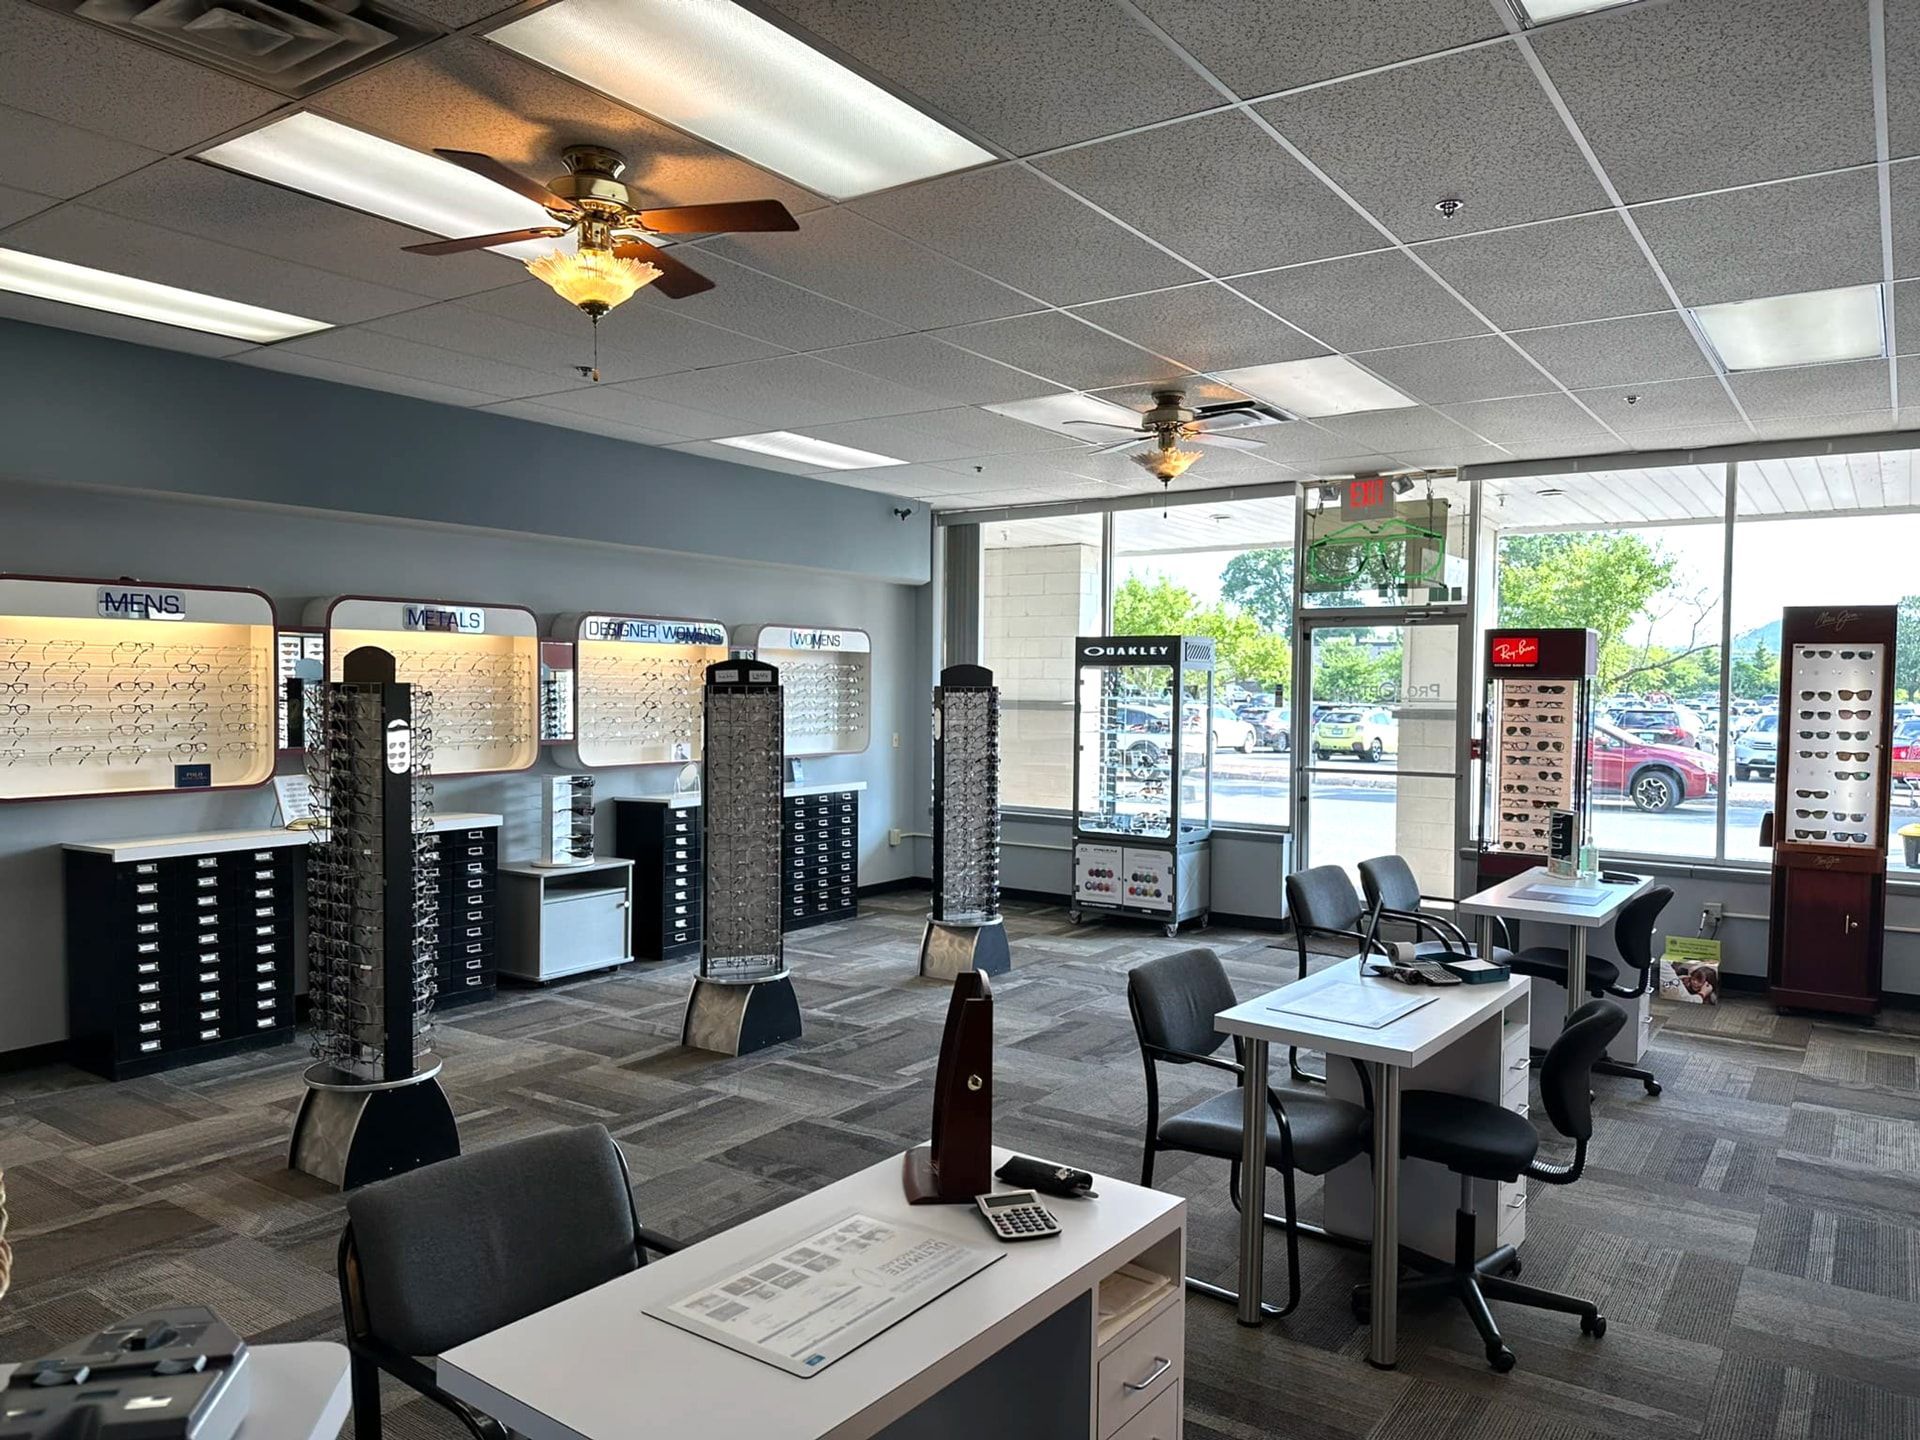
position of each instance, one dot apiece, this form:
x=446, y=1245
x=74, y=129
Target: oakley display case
x=1537, y=720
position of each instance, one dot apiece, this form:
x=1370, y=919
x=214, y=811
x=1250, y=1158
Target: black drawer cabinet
x=180, y=959
x=663, y=841
x=818, y=874
x=465, y=866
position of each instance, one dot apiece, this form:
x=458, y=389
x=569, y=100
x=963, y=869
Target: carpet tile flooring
x=1753, y=1234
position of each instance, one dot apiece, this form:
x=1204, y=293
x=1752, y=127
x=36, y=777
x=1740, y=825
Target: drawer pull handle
x=1161, y=1364
x=1517, y=1201
x=1520, y=1064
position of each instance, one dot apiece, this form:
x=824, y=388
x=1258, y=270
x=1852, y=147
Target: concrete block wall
x=1038, y=599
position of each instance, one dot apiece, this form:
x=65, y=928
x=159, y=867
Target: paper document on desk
x=1365, y=1007
x=1562, y=894
x=805, y=1304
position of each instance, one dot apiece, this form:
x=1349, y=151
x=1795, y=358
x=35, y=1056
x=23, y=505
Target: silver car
x=1755, y=749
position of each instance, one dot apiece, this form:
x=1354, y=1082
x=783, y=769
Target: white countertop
x=214, y=842
x=547, y=872
x=595, y=1368
x=1504, y=899
x=1410, y=1040
x=789, y=791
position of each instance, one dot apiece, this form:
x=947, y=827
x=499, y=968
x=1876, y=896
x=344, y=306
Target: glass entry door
x=1377, y=746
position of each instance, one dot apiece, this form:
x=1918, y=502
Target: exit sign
x=1365, y=497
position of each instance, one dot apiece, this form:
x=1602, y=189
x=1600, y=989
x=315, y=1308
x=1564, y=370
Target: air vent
x=290, y=46
x=1241, y=415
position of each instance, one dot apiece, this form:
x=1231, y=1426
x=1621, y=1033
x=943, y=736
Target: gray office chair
x=1393, y=893
x=445, y=1254
x=1633, y=931
x=1173, y=1001
x=1322, y=901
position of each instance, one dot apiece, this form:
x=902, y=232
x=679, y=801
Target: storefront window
x=1223, y=569
x=1042, y=589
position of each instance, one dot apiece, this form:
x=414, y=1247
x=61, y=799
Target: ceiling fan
x=612, y=260
x=1170, y=422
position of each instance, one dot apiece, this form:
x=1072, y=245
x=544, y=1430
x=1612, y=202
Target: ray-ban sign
x=1517, y=650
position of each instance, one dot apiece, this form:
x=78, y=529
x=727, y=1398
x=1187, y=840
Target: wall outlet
x=1711, y=914
x=896, y=739
x=893, y=837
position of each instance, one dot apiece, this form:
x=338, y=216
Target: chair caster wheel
x=1594, y=1325
x=1361, y=1305
x=1653, y=1087
x=1500, y=1358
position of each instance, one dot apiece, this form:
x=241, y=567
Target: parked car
x=1230, y=732
x=1661, y=724
x=1371, y=733
x=1905, y=752
x=1755, y=750
x=1275, y=726
x=1657, y=778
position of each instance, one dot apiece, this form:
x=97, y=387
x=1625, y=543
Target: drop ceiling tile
x=1618, y=352
x=1482, y=368
x=551, y=351
x=1812, y=234
x=1028, y=80
x=847, y=257
x=1473, y=126
x=1027, y=233
x=84, y=236
x=1205, y=326
x=18, y=204
x=1334, y=467
x=1691, y=437
x=1905, y=315
x=1841, y=389
x=545, y=414
x=753, y=304
x=1062, y=349
x=634, y=342
x=50, y=158
x=467, y=94
x=369, y=349
x=1257, y=50
x=1665, y=406
x=1452, y=455
x=1392, y=431
x=1300, y=443
x=1680, y=98
x=1211, y=189
x=238, y=210
x=626, y=407
x=1197, y=389
x=933, y=435
x=291, y=362
x=912, y=482
x=1586, y=268
x=32, y=310
x=1904, y=181
x=84, y=75
x=1364, y=302
x=1531, y=420
x=713, y=450
x=784, y=392
x=455, y=14
x=941, y=370
x=1903, y=76
x=1807, y=427
x=986, y=472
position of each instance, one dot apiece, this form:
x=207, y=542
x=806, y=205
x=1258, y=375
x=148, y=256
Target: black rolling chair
x=1173, y=1001
x=1322, y=901
x=1633, y=938
x=1481, y=1141
x=441, y=1255
x=1392, y=891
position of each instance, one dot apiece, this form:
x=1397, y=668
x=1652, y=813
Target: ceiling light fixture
x=805, y=450
x=1542, y=12
x=82, y=285
x=1324, y=385
x=724, y=74
x=1054, y=412
x=595, y=280
x=1166, y=462
x=1813, y=328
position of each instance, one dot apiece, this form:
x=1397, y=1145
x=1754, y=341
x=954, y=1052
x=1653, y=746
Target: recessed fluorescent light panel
x=1324, y=385
x=1813, y=328
x=46, y=279
x=1540, y=12
x=805, y=450
x=738, y=82
x=352, y=168
x=1052, y=412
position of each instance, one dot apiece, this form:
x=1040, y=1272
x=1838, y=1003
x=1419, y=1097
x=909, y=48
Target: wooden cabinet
x=1827, y=926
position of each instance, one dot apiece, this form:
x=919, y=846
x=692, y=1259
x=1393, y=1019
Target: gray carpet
x=1753, y=1235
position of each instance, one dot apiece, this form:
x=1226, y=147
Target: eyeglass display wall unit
x=556, y=692
x=1143, y=778
x=298, y=655
x=743, y=998
x=479, y=666
x=118, y=688
x=828, y=678
x=964, y=931
x=1537, y=716
x=637, y=687
x=1831, y=796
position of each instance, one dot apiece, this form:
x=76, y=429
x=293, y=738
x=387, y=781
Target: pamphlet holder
x=958, y=1164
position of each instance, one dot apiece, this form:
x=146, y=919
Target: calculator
x=1017, y=1215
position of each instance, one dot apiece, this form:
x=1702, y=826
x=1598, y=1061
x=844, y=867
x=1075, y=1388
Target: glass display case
x=1537, y=717
x=828, y=677
x=637, y=685
x=1143, y=776
x=964, y=931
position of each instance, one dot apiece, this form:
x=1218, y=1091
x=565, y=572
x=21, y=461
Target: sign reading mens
x=118, y=604
x=456, y=620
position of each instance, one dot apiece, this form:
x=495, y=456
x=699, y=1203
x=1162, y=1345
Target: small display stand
x=1831, y=796
x=556, y=692
x=637, y=687
x=373, y=1105
x=566, y=821
x=965, y=931
x=1143, y=778
x=1537, y=716
x=958, y=1164
x=474, y=670
x=827, y=676
x=298, y=655
x=743, y=997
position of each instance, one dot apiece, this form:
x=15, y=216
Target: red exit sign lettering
x=1516, y=650
x=1366, y=496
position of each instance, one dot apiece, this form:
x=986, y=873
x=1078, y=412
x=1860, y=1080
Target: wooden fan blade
x=1225, y=442
x=491, y=169
x=719, y=219
x=1120, y=445
x=485, y=242
x=676, y=281
x=1103, y=425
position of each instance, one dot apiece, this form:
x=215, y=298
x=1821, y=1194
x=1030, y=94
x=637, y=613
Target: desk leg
x=1576, y=967
x=1486, y=937
x=1253, y=1180
x=1385, y=1299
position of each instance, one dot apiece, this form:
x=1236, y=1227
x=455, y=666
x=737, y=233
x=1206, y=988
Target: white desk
x=596, y=1368
x=300, y=1391
x=1426, y=1040
x=1505, y=900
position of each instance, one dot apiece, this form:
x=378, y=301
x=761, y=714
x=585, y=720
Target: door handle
x=1851, y=925
x=1160, y=1367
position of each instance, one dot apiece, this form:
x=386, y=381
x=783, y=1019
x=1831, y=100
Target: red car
x=1655, y=777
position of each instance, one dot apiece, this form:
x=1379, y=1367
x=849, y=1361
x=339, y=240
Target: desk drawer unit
x=464, y=865
x=183, y=958
x=1159, y=1421
x=1140, y=1371
x=819, y=873
x=663, y=840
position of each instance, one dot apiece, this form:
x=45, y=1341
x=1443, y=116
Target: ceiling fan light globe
x=594, y=280
x=1166, y=464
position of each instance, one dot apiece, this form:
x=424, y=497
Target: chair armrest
x=660, y=1244
x=1188, y=1057
x=1448, y=933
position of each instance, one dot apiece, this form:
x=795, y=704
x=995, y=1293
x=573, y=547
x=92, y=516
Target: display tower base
x=350, y=1132
x=738, y=1019
x=948, y=949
